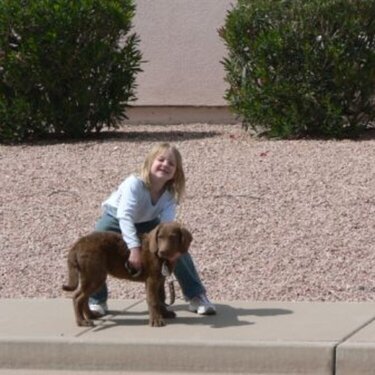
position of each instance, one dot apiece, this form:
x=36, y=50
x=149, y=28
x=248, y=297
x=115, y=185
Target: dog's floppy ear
x=153, y=240
x=186, y=239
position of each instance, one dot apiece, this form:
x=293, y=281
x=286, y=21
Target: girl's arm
x=135, y=258
x=127, y=207
x=126, y=211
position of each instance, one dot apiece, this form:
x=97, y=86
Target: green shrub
x=67, y=67
x=297, y=67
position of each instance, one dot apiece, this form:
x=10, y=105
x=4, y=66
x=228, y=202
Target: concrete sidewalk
x=39, y=336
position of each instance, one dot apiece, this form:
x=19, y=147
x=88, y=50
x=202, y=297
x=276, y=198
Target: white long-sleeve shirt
x=132, y=204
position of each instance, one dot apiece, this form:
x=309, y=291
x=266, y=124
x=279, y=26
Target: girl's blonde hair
x=176, y=186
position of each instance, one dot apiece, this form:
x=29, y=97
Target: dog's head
x=169, y=241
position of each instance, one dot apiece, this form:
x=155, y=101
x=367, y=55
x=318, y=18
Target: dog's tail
x=73, y=274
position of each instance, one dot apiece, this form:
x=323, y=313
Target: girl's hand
x=135, y=258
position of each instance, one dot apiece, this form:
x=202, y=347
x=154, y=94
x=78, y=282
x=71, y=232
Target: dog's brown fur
x=98, y=254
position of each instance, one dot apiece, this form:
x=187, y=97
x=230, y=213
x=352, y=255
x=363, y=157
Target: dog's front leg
x=153, y=302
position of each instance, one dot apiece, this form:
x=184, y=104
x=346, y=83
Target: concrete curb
x=245, y=337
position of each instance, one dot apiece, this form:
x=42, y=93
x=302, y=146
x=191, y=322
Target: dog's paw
x=157, y=322
x=167, y=314
x=85, y=323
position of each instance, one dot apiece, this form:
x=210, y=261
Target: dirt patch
x=271, y=220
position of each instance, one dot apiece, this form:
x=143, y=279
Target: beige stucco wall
x=180, y=42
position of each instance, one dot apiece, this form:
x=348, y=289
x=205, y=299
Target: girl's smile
x=163, y=167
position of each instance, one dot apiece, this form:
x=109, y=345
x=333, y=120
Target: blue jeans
x=185, y=271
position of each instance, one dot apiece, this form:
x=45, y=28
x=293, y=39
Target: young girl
x=139, y=205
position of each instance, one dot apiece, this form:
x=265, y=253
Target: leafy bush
x=67, y=67
x=299, y=67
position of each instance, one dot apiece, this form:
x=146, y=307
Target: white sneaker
x=99, y=309
x=201, y=305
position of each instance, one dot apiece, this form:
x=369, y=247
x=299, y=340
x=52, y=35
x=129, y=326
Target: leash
x=170, y=282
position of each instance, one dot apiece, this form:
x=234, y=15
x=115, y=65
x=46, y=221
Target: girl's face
x=164, y=166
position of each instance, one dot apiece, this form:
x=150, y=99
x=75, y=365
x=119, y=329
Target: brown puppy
x=98, y=254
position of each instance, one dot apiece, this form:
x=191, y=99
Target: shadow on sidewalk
x=227, y=316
